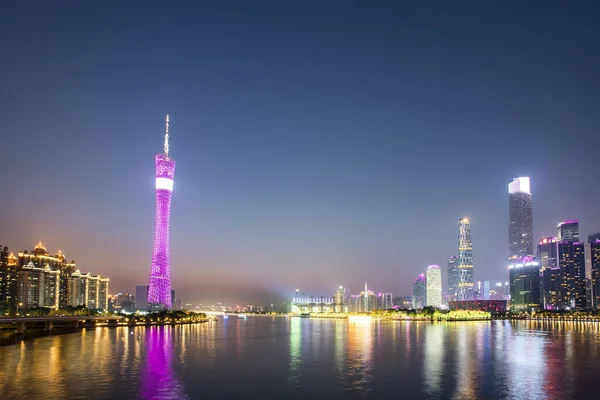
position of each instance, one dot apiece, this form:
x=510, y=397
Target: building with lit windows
x=434, y=286
x=550, y=274
x=340, y=298
x=384, y=301
x=571, y=261
x=465, y=260
x=420, y=292
x=302, y=303
x=369, y=300
x=524, y=278
x=568, y=231
x=491, y=306
x=594, y=247
x=453, y=278
x=8, y=281
x=38, y=287
x=520, y=227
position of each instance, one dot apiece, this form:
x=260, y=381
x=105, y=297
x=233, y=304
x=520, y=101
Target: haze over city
x=315, y=146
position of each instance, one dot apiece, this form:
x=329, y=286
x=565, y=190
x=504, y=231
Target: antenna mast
x=167, y=137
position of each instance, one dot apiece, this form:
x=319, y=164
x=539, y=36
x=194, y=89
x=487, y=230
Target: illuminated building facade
x=159, y=290
x=340, y=298
x=453, y=277
x=465, y=261
x=571, y=260
x=568, y=231
x=434, y=286
x=8, y=281
x=368, y=300
x=38, y=287
x=520, y=228
x=384, y=301
x=303, y=303
x=524, y=278
x=491, y=306
x=550, y=274
x=420, y=292
x=594, y=247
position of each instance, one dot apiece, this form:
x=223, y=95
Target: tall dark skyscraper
x=595, y=256
x=550, y=274
x=568, y=231
x=571, y=260
x=453, y=278
x=465, y=260
x=520, y=228
x=525, y=284
x=420, y=292
x=594, y=237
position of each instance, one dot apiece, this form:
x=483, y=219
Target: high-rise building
x=594, y=237
x=465, y=260
x=550, y=274
x=525, y=284
x=571, y=260
x=368, y=300
x=420, y=292
x=595, y=264
x=483, y=290
x=520, y=228
x=141, y=298
x=159, y=291
x=453, y=277
x=568, y=231
x=434, y=286
x=8, y=281
x=340, y=299
x=384, y=301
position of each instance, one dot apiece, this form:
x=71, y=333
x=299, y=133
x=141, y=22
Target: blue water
x=298, y=358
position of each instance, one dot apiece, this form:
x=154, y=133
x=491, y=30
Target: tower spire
x=167, y=137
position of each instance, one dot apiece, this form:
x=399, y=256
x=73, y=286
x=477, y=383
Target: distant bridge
x=22, y=322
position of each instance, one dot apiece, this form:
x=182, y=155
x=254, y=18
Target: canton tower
x=159, y=291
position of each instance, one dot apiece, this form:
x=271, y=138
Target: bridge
x=22, y=322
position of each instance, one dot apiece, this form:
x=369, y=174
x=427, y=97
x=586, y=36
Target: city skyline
x=301, y=152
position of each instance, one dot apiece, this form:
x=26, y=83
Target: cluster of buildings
x=561, y=273
x=37, y=279
x=342, y=302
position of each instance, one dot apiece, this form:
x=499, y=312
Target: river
x=298, y=358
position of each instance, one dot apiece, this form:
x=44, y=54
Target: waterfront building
x=355, y=303
x=568, y=231
x=491, y=306
x=550, y=274
x=595, y=271
x=340, y=298
x=141, y=298
x=434, y=286
x=453, y=278
x=368, y=299
x=159, y=291
x=525, y=285
x=302, y=303
x=384, y=301
x=520, y=228
x=419, y=292
x=8, y=281
x=38, y=287
x=465, y=260
x=403, y=302
x=571, y=260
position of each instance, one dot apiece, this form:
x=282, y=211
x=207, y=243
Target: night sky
x=317, y=143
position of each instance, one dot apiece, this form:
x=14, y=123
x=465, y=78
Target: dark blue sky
x=317, y=143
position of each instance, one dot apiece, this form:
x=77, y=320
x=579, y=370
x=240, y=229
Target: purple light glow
x=159, y=291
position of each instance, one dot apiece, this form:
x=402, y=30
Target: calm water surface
x=278, y=358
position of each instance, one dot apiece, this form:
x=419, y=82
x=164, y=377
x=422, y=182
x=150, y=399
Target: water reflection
x=360, y=352
x=295, y=347
x=433, y=365
x=159, y=380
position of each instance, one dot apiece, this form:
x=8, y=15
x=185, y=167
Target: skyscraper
x=571, y=260
x=520, y=228
x=550, y=274
x=434, y=286
x=595, y=261
x=159, y=290
x=568, y=231
x=453, y=278
x=525, y=284
x=465, y=261
x=419, y=292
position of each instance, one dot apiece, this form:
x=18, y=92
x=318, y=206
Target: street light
x=18, y=304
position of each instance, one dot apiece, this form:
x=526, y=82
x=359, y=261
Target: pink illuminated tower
x=159, y=291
